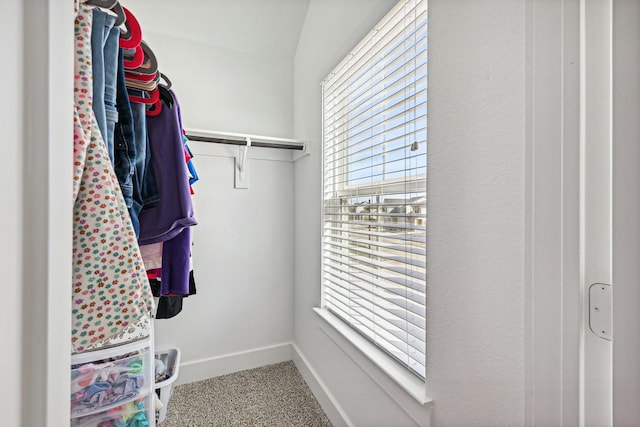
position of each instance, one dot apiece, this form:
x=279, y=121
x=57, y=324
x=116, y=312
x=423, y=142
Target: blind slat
x=385, y=263
x=418, y=238
x=401, y=256
x=395, y=347
x=360, y=298
x=394, y=247
x=379, y=96
x=399, y=75
x=402, y=308
x=399, y=338
x=372, y=277
x=358, y=278
x=382, y=52
x=387, y=246
x=367, y=60
x=391, y=225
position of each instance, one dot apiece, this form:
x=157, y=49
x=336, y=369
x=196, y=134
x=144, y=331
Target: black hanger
x=165, y=96
x=118, y=10
x=115, y=7
x=107, y=4
x=166, y=80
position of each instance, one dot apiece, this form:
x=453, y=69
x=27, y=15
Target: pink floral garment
x=111, y=294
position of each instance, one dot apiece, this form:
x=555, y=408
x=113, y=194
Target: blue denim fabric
x=104, y=52
x=145, y=191
x=149, y=186
x=124, y=140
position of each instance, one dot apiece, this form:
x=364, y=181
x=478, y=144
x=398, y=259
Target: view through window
x=374, y=186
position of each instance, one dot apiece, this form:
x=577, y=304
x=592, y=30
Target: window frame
x=401, y=374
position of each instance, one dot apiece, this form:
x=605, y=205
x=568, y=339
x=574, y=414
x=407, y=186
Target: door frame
x=552, y=279
x=565, y=72
x=45, y=93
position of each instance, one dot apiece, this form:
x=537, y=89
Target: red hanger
x=132, y=35
x=136, y=61
x=155, y=109
x=153, y=98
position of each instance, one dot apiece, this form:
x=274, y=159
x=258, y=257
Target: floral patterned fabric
x=111, y=294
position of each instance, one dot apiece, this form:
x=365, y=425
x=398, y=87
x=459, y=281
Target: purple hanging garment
x=175, y=264
x=173, y=212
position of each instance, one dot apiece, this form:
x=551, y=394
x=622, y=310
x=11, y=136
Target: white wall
x=475, y=322
x=242, y=314
x=243, y=265
x=475, y=329
x=227, y=90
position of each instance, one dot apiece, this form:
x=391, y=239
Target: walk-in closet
x=205, y=122
x=207, y=199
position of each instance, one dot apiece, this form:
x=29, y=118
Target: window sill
x=414, y=386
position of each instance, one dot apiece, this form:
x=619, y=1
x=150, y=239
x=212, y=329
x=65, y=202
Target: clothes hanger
x=150, y=63
x=132, y=62
x=142, y=86
x=165, y=96
x=130, y=33
x=121, y=18
x=107, y=4
x=141, y=77
x=154, y=96
x=154, y=109
x=168, y=83
x=114, y=6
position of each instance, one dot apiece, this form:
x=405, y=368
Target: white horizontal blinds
x=374, y=181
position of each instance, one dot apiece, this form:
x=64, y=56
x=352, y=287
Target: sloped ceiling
x=264, y=27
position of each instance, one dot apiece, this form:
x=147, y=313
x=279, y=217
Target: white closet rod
x=241, y=139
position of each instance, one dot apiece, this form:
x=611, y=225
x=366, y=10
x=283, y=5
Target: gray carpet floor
x=274, y=395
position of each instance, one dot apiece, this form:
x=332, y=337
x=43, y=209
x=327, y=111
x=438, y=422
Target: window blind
x=374, y=186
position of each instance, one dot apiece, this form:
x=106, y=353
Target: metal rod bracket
x=242, y=166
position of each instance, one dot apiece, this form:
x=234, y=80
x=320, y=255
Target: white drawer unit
x=115, y=384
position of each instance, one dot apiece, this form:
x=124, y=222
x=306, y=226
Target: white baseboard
x=327, y=401
x=202, y=369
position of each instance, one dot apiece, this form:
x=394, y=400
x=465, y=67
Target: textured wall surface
x=475, y=332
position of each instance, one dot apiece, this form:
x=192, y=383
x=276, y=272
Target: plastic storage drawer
x=114, y=377
x=135, y=413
